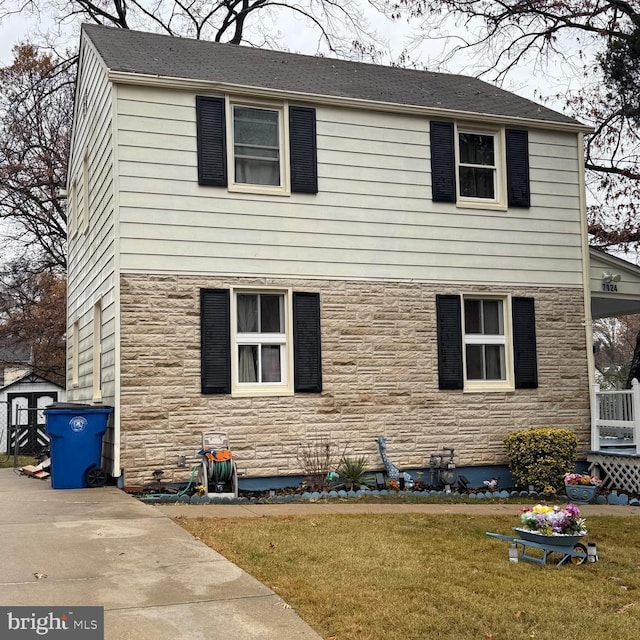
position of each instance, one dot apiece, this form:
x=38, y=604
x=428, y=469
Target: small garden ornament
x=392, y=471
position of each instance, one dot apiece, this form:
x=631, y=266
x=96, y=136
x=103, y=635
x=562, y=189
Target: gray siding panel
x=91, y=274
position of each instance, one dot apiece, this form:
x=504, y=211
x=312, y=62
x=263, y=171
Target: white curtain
x=248, y=363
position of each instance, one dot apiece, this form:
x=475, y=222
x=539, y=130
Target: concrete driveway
x=155, y=581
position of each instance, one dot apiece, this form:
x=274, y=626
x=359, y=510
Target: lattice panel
x=620, y=472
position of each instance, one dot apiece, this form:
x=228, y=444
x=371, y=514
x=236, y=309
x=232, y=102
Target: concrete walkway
x=155, y=581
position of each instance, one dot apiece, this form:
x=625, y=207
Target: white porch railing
x=615, y=420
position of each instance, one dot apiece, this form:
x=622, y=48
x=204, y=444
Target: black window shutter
x=443, y=164
x=307, y=356
x=449, y=322
x=303, y=150
x=524, y=343
x=215, y=341
x=212, y=146
x=518, y=190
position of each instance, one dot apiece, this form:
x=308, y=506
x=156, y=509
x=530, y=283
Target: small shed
x=21, y=417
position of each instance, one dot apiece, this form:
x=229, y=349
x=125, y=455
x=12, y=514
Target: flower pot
x=540, y=538
x=581, y=493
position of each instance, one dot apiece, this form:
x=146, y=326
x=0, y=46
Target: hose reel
x=218, y=474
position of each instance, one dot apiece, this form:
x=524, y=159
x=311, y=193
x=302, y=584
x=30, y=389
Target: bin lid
x=67, y=405
x=74, y=406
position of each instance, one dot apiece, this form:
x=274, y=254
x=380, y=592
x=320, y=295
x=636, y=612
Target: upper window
x=479, y=168
x=256, y=146
x=477, y=171
x=484, y=339
x=261, y=339
x=479, y=163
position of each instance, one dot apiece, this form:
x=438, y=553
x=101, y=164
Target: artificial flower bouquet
x=553, y=521
x=579, y=478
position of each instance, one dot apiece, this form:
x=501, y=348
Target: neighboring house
x=290, y=248
x=21, y=403
x=15, y=361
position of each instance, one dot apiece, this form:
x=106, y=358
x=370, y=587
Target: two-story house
x=290, y=248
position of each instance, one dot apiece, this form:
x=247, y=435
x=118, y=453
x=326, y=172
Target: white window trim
x=75, y=353
x=284, y=189
x=508, y=384
x=284, y=388
x=72, y=208
x=83, y=221
x=97, y=351
x=499, y=203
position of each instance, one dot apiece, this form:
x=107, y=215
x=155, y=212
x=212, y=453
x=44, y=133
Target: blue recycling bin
x=75, y=432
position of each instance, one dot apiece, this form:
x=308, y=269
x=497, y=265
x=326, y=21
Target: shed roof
x=31, y=377
x=152, y=54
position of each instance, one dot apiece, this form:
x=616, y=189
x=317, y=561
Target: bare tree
x=33, y=313
x=614, y=341
x=599, y=42
x=35, y=124
x=335, y=26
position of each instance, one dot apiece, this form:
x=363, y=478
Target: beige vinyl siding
x=91, y=275
x=372, y=219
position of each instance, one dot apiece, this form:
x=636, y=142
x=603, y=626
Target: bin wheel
x=96, y=477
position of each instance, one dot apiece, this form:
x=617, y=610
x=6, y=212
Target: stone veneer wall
x=379, y=365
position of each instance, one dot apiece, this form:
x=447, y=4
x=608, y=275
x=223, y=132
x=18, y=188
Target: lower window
x=260, y=337
x=260, y=342
x=485, y=341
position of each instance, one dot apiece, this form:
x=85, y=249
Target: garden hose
x=221, y=471
x=180, y=493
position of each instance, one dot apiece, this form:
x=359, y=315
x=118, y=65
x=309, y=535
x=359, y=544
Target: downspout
x=586, y=282
x=117, y=413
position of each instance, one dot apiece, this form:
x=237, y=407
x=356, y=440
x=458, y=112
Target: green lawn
x=424, y=577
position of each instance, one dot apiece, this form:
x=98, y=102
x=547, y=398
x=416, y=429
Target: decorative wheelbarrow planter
x=549, y=530
x=569, y=548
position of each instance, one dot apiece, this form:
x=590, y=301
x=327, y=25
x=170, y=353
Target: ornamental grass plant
x=434, y=576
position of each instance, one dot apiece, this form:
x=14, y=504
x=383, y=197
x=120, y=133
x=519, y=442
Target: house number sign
x=610, y=286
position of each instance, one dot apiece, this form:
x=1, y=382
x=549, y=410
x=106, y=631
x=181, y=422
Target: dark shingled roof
x=153, y=54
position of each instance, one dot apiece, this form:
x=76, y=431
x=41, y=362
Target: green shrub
x=541, y=457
